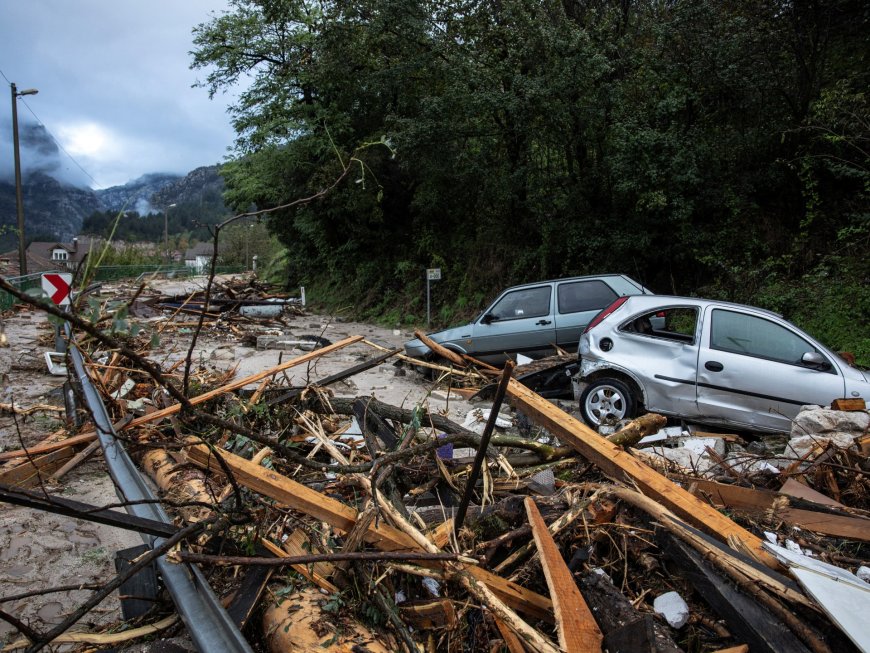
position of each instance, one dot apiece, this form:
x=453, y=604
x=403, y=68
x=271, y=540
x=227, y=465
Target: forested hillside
x=702, y=147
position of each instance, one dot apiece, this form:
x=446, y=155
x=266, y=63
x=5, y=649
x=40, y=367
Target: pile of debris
x=346, y=523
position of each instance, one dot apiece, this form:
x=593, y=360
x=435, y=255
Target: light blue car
x=532, y=318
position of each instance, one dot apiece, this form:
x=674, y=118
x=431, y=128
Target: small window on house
x=59, y=255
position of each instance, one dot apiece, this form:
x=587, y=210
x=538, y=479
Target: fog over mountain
x=57, y=197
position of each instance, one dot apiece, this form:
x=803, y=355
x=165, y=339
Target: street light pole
x=166, y=231
x=19, y=202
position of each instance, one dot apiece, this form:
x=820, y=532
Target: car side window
x=578, y=296
x=740, y=333
x=529, y=302
x=679, y=323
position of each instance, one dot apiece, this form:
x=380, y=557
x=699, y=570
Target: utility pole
x=19, y=202
x=166, y=231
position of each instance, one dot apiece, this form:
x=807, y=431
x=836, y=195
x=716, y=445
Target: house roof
x=200, y=249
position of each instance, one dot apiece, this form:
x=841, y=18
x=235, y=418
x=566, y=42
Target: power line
x=53, y=138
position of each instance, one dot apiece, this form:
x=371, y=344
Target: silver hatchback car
x=706, y=361
x=531, y=318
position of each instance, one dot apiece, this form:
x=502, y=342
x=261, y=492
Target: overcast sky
x=114, y=85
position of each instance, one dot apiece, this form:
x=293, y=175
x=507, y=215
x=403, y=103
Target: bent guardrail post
x=207, y=622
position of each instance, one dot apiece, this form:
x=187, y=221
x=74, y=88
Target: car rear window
x=579, y=296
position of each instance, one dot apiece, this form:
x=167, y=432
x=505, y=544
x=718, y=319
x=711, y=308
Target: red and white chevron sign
x=57, y=286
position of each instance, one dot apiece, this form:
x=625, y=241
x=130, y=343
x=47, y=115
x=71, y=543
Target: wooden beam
x=624, y=467
x=757, y=500
x=848, y=404
x=443, y=352
x=38, y=449
x=240, y=383
x=383, y=536
x=578, y=630
x=29, y=472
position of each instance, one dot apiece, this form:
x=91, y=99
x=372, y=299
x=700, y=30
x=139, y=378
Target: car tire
x=607, y=398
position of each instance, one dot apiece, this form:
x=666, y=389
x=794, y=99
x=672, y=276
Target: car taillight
x=603, y=314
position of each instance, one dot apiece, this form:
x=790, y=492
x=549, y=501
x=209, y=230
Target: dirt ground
x=39, y=550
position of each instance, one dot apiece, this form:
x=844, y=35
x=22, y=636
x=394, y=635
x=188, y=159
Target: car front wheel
x=607, y=400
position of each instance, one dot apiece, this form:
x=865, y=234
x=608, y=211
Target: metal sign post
x=432, y=274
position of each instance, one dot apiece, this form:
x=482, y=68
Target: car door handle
x=543, y=322
x=714, y=366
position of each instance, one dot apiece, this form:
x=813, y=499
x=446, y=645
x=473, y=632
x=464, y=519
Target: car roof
x=580, y=278
x=656, y=300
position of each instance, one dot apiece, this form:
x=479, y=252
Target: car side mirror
x=816, y=360
x=488, y=318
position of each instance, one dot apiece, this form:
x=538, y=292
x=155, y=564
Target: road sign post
x=57, y=287
x=432, y=274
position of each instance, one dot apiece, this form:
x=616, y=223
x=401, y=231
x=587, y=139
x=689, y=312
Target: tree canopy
x=700, y=146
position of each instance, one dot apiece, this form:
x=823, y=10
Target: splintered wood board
x=622, y=466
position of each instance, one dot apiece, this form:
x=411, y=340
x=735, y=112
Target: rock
x=684, y=458
x=798, y=447
x=673, y=608
x=699, y=445
x=823, y=420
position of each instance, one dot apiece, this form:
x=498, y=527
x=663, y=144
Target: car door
x=750, y=370
x=520, y=321
x=660, y=348
x=577, y=302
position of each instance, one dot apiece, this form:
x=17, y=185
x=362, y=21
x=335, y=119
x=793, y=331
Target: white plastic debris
x=792, y=546
x=771, y=537
x=863, y=573
x=432, y=586
x=673, y=608
x=476, y=419
x=55, y=368
x=124, y=390
x=523, y=360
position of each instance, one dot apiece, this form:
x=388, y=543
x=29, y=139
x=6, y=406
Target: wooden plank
x=511, y=641
x=27, y=474
x=84, y=438
x=756, y=500
x=240, y=383
x=76, y=460
x=452, y=356
x=429, y=614
x=577, y=628
x=800, y=491
x=848, y=404
x=623, y=466
x=383, y=536
x=309, y=575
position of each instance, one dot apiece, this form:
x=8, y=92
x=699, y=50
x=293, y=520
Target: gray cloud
x=114, y=88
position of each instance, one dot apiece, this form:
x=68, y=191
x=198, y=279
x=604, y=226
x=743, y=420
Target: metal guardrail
x=207, y=622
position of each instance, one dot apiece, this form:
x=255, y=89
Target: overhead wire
x=54, y=139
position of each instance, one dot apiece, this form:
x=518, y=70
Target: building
x=43, y=256
x=198, y=257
